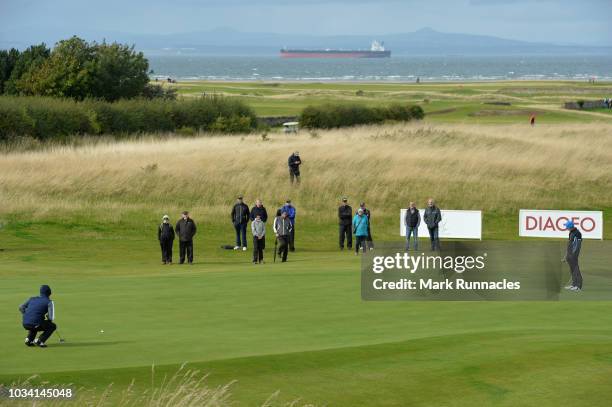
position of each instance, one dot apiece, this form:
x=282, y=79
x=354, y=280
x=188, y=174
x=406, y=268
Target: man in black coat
x=186, y=230
x=345, y=219
x=165, y=235
x=240, y=220
x=294, y=163
x=432, y=218
x=259, y=210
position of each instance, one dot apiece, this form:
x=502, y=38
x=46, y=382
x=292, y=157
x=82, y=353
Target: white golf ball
x=101, y=331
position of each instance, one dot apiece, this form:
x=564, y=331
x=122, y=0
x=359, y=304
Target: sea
x=394, y=69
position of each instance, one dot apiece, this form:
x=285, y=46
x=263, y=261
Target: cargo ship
x=377, y=50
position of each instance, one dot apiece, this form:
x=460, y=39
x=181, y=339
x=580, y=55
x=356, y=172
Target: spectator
x=282, y=230
x=258, y=228
x=412, y=221
x=186, y=230
x=432, y=218
x=165, y=235
x=360, y=229
x=260, y=210
x=345, y=217
x=240, y=220
x=291, y=211
x=294, y=163
x=366, y=212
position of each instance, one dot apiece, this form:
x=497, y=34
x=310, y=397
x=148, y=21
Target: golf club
x=61, y=340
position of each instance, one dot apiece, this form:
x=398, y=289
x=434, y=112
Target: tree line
x=78, y=69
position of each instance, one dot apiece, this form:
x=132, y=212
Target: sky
x=585, y=22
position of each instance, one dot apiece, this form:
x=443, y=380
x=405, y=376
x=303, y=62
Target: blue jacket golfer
x=574, y=244
x=34, y=311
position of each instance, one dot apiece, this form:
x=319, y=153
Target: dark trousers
x=186, y=248
x=241, y=233
x=166, y=249
x=283, y=247
x=435, y=239
x=258, y=248
x=361, y=243
x=294, y=176
x=575, y=272
x=345, y=231
x=46, y=327
x=369, y=241
x=292, y=238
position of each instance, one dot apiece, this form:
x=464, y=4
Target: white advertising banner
x=455, y=224
x=550, y=223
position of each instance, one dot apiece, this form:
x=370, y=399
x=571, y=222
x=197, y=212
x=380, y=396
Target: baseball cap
x=569, y=224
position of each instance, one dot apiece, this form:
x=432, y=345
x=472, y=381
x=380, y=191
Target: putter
x=61, y=340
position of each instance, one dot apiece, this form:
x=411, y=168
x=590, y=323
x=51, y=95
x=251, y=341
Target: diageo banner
x=544, y=223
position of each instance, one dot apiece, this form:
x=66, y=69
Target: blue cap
x=569, y=224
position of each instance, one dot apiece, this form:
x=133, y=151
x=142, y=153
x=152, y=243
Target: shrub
x=330, y=115
x=49, y=118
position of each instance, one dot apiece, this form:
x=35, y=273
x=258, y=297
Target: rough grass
x=498, y=169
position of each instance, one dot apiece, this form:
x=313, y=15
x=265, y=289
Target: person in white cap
x=165, y=235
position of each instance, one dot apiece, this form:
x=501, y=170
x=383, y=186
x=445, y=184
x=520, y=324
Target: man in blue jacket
x=34, y=311
x=360, y=229
x=290, y=209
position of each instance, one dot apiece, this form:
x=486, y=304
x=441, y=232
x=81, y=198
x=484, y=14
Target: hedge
x=46, y=118
x=342, y=115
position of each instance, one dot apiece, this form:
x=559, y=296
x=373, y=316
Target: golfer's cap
x=569, y=224
x=166, y=217
x=344, y=199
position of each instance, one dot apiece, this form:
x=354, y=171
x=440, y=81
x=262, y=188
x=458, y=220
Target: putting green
x=298, y=327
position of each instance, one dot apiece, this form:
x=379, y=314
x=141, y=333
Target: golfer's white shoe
x=236, y=247
x=244, y=249
x=569, y=287
x=28, y=343
x=575, y=289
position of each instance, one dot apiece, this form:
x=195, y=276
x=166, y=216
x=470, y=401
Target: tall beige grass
x=490, y=167
x=185, y=388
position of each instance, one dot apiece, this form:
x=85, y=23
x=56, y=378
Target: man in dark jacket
x=369, y=243
x=34, y=311
x=259, y=210
x=186, y=230
x=294, y=163
x=432, y=218
x=165, y=235
x=345, y=218
x=282, y=230
x=240, y=220
x=571, y=256
x=412, y=220
x=291, y=212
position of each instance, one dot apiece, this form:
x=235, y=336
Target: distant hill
x=226, y=41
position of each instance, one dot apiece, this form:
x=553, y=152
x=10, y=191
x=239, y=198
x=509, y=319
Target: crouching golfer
x=165, y=235
x=360, y=229
x=258, y=227
x=571, y=257
x=282, y=230
x=34, y=311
